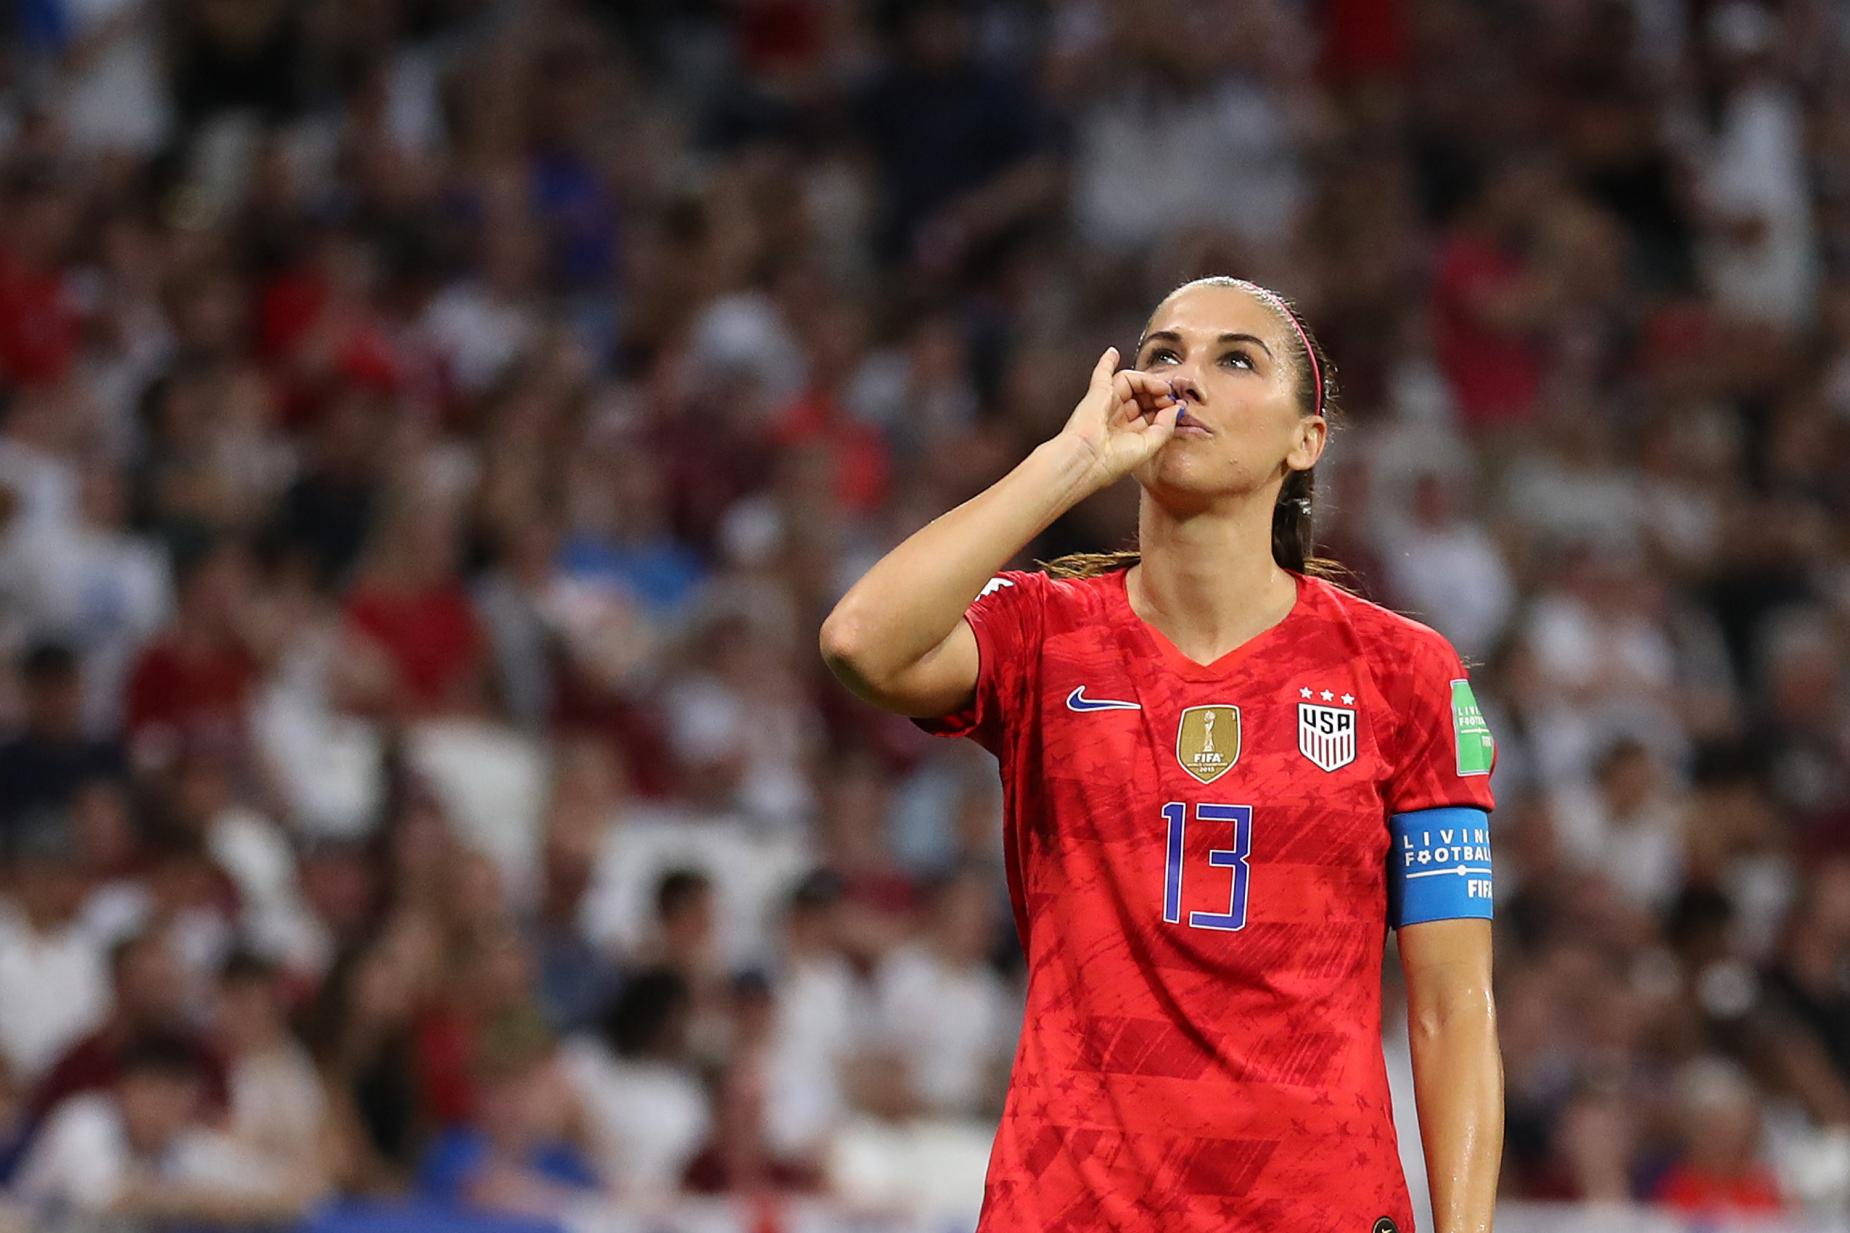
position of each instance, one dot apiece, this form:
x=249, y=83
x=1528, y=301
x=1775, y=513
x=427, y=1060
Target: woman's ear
x=1313, y=434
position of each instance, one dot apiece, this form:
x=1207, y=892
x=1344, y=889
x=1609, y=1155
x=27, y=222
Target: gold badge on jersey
x=1208, y=741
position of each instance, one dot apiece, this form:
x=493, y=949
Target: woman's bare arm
x=1457, y=1068
x=898, y=638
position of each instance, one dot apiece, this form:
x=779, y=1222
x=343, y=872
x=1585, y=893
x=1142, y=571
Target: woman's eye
x=1238, y=359
x=1162, y=355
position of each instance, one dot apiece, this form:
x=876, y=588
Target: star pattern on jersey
x=1306, y=692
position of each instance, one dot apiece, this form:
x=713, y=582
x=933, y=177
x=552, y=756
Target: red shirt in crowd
x=39, y=326
x=1687, y=1188
x=431, y=636
x=94, y=1064
x=1494, y=373
x=193, y=692
x=857, y=451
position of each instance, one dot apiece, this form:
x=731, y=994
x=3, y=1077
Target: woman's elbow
x=1467, y=1007
x=840, y=640
x=847, y=650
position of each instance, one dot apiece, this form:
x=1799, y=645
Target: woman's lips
x=1188, y=425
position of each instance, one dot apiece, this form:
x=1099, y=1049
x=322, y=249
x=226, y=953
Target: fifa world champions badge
x=1208, y=741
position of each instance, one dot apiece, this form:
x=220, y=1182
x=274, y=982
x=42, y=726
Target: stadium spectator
x=1719, y=1169
x=366, y=1049
x=818, y=1009
x=140, y=1150
x=54, y=983
x=278, y=1110
x=943, y=1010
x=646, y=1114
x=44, y=764
x=193, y=680
x=745, y=1154
x=512, y=1156
x=407, y=599
x=149, y=994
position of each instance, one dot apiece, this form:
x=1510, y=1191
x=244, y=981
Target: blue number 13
x=1234, y=858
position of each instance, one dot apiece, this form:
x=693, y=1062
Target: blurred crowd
x=431, y=432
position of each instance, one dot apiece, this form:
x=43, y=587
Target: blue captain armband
x=1439, y=866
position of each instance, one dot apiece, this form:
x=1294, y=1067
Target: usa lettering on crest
x=1326, y=735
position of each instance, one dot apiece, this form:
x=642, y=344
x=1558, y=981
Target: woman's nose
x=1185, y=389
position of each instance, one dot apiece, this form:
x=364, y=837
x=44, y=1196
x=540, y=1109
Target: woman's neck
x=1208, y=581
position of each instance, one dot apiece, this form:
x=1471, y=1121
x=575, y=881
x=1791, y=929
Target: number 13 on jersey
x=1234, y=858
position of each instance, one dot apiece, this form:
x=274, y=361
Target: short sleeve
x=1445, y=750
x=1006, y=617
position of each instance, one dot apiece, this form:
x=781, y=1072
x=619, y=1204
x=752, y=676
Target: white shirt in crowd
x=83, y=1159
x=1641, y=852
x=104, y=590
x=820, y=1010
x=1453, y=578
x=647, y=1119
x=1139, y=173
x=117, y=101
x=478, y=333
x=953, y=1026
x=278, y=1104
x=1755, y=167
x=54, y=987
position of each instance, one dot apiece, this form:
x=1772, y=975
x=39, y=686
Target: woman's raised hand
x=1124, y=418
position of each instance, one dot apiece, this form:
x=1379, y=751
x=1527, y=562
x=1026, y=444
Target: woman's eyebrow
x=1251, y=338
x=1171, y=336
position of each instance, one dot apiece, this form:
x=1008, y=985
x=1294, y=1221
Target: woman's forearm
x=912, y=599
x=1458, y=1080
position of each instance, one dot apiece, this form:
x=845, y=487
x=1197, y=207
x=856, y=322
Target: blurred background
x=431, y=432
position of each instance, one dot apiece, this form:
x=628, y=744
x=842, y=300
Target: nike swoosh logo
x=1077, y=701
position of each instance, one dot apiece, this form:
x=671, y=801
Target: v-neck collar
x=1181, y=665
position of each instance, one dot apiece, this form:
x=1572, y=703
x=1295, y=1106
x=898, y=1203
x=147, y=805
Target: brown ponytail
x=1293, y=524
x=1291, y=521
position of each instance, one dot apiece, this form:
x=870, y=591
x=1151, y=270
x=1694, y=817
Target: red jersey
x=1198, y=860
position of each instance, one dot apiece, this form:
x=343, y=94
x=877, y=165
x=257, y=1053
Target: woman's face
x=1231, y=359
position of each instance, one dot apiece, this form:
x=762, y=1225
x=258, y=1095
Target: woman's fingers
x=1154, y=392
x=1103, y=372
x=1165, y=422
x=1140, y=394
x=1124, y=404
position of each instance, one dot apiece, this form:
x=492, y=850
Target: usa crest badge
x=1326, y=735
x=1208, y=741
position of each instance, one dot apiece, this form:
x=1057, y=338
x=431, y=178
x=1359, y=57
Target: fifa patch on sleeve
x=1439, y=866
x=1476, y=749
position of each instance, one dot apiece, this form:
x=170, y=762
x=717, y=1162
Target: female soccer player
x=1225, y=779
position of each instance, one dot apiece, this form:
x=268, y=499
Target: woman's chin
x=1187, y=481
